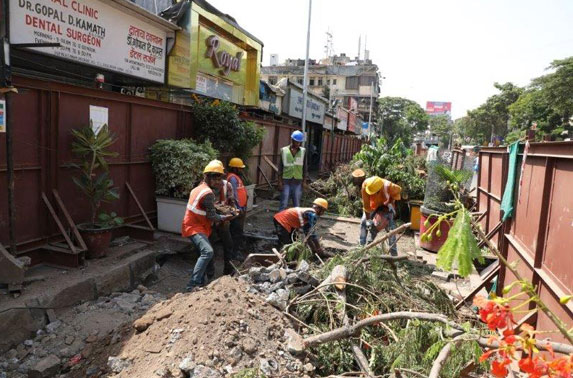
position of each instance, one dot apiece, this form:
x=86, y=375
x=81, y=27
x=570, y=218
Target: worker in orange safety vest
x=291, y=219
x=236, y=166
x=378, y=201
x=199, y=216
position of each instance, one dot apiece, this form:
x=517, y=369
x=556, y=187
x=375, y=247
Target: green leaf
x=461, y=246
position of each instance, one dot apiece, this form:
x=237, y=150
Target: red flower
x=498, y=368
x=526, y=365
x=493, y=313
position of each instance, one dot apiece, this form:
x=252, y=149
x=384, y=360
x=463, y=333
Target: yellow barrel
x=415, y=214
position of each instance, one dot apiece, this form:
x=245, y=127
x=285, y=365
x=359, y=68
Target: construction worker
x=199, y=216
x=378, y=202
x=236, y=167
x=224, y=195
x=358, y=177
x=292, y=171
x=289, y=220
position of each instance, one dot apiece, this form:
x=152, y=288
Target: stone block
x=118, y=279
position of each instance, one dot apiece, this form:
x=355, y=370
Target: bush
x=178, y=165
x=219, y=122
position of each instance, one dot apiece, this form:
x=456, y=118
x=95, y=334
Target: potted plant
x=96, y=184
x=177, y=167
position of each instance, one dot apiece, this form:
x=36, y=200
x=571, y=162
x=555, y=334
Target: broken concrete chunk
x=303, y=266
x=46, y=367
x=187, y=365
x=295, y=342
x=278, y=299
x=143, y=323
x=202, y=371
x=117, y=364
x=268, y=366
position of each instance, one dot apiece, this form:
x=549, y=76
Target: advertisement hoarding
x=314, y=109
x=91, y=32
x=351, y=122
x=438, y=108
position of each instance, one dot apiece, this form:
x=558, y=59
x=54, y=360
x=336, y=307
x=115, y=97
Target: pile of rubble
x=221, y=330
x=276, y=283
x=68, y=343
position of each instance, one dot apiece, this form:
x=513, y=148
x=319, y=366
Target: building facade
x=351, y=82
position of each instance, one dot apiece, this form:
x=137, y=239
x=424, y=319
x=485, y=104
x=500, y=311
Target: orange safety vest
x=383, y=197
x=292, y=218
x=195, y=220
x=241, y=190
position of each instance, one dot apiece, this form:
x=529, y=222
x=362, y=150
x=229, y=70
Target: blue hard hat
x=297, y=136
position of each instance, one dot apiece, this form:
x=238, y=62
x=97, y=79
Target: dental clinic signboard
x=91, y=32
x=314, y=109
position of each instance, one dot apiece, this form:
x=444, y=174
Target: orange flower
x=498, y=368
x=493, y=313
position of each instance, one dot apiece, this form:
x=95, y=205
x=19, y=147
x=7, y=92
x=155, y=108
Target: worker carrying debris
x=292, y=171
x=225, y=203
x=378, y=200
x=289, y=220
x=237, y=227
x=199, y=216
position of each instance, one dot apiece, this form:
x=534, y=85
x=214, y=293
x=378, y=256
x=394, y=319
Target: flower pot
x=251, y=196
x=436, y=243
x=415, y=214
x=170, y=213
x=97, y=239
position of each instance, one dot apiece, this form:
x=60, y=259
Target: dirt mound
x=218, y=331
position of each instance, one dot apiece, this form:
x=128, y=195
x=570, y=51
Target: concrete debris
x=117, y=364
x=46, y=367
x=53, y=326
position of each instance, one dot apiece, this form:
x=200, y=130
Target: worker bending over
x=305, y=218
x=378, y=201
x=237, y=227
x=199, y=216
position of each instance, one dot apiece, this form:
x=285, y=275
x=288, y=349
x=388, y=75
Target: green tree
x=442, y=126
x=400, y=118
x=548, y=102
x=464, y=128
x=492, y=117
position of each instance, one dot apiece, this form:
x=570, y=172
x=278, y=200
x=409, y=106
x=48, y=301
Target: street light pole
x=370, y=113
x=305, y=77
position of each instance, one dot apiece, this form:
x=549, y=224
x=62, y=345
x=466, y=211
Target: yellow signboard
x=179, y=71
x=219, y=57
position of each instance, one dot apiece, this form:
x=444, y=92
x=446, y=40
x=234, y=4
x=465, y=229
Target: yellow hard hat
x=214, y=167
x=373, y=184
x=321, y=202
x=218, y=162
x=358, y=173
x=236, y=163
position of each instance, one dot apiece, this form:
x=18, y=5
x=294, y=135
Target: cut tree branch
x=442, y=357
x=349, y=331
x=395, y=231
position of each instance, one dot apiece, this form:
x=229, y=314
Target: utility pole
x=370, y=112
x=305, y=77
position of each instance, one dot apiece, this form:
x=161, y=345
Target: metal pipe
x=370, y=113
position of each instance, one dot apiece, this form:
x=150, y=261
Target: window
x=299, y=80
x=367, y=80
x=311, y=81
x=327, y=81
x=320, y=82
x=272, y=80
x=352, y=82
x=333, y=81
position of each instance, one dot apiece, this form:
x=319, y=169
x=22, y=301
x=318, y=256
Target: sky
x=440, y=50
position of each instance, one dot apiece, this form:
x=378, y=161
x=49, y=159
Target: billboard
x=438, y=108
x=94, y=33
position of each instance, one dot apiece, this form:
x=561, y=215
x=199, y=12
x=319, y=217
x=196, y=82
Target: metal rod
x=305, y=76
x=6, y=81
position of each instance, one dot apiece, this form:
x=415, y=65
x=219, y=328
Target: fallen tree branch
x=410, y=371
x=442, y=357
x=395, y=231
x=349, y=331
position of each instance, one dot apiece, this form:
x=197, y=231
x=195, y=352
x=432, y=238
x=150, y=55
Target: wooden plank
x=341, y=219
x=269, y=162
x=139, y=206
x=59, y=223
x=70, y=220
